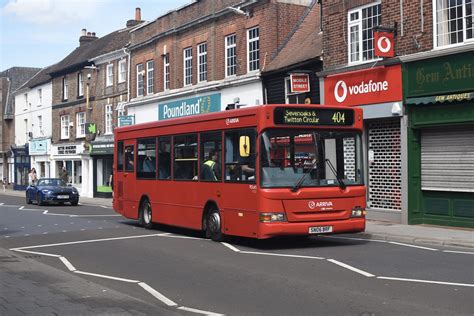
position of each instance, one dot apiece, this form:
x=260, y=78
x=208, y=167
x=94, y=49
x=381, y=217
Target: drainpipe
x=128, y=74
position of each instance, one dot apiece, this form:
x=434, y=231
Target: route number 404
x=339, y=117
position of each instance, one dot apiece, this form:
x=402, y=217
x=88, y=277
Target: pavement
x=418, y=234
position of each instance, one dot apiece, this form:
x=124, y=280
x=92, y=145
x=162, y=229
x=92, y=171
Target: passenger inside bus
x=210, y=169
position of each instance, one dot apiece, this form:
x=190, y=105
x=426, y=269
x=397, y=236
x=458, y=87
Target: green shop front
x=103, y=160
x=439, y=97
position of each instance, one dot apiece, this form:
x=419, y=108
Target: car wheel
x=146, y=212
x=214, y=225
x=28, y=200
x=39, y=199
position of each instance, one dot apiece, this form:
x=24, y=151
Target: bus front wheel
x=145, y=215
x=213, y=225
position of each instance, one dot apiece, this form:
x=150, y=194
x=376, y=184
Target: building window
x=40, y=96
x=202, y=62
x=110, y=75
x=81, y=124
x=40, y=125
x=140, y=75
x=122, y=71
x=454, y=22
x=253, y=49
x=166, y=72
x=26, y=129
x=361, y=36
x=80, y=84
x=65, y=127
x=150, y=77
x=230, y=55
x=188, y=66
x=65, y=88
x=25, y=97
x=109, y=119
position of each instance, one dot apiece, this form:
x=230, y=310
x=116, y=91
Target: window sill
x=356, y=63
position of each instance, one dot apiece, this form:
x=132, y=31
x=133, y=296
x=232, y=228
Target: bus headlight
x=272, y=217
x=358, y=212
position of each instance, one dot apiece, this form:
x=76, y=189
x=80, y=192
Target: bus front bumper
x=268, y=230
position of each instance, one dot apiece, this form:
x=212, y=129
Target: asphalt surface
x=168, y=270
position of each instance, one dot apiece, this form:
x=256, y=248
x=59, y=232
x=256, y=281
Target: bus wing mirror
x=244, y=142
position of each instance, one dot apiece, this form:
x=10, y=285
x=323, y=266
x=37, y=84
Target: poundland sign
x=187, y=107
x=376, y=85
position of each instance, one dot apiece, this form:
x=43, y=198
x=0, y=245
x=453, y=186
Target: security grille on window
x=108, y=119
x=122, y=71
x=65, y=127
x=454, y=21
x=140, y=73
x=166, y=72
x=230, y=55
x=360, y=32
x=110, y=74
x=81, y=124
x=150, y=77
x=188, y=66
x=202, y=62
x=253, y=48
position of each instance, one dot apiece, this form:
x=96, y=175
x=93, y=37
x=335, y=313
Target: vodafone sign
x=383, y=42
x=376, y=85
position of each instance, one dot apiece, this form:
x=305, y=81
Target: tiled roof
x=40, y=78
x=80, y=56
x=304, y=45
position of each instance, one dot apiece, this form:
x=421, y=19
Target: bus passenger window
x=129, y=157
x=211, y=149
x=120, y=156
x=240, y=155
x=185, y=157
x=164, y=158
x=146, y=158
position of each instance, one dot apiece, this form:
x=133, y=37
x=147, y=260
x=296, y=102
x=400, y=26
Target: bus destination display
x=308, y=116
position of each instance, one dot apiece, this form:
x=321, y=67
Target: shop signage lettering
x=299, y=83
x=376, y=85
x=67, y=150
x=187, y=107
x=126, y=120
x=453, y=97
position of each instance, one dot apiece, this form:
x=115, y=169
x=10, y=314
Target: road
x=177, y=271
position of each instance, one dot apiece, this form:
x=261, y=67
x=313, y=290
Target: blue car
x=51, y=190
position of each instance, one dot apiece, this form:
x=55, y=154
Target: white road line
x=230, y=247
x=463, y=252
x=7, y=205
x=67, y=264
x=280, y=255
x=2, y=203
x=413, y=246
x=198, y=311
x=22, y=207
x=89, y=241
x=342, y=264
x=157, y=294
x=425, y=281
x=183, y=237
x=353, y=238
x=106, y=277
x=36, y=253
x=95, y=215
x=46, y=212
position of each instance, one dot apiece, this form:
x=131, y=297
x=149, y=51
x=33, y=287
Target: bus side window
x=164, y=158
x=146, y=158
x=129, y=158
x=240, y=164
x=120, y=156
x=185, y=157
x=211, y=158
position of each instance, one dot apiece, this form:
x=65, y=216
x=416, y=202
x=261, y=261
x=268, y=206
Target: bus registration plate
x=320, y=229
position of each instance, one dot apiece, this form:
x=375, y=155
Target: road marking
x=341, y=264
x=352, y=238
x=182, y=237
x=67, y=263
x=2, y=203
x=46, y=212
x=463, y=252
x=425, y=281
x=95, y=215
x=7, y=205
x=198, y=311
x=22, y=207
x=413, y=246
x=36, y=253
x=106, y=276
x=157, y=294
x=280, y=255
x=230, y=247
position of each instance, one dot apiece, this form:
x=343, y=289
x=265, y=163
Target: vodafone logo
x=340, y=97
x=384, y=44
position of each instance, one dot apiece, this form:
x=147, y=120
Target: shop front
x=102, y=152
x=21, y=167
x=379, y=92
x=439, y=95
x=70, y=157
x=39, y=154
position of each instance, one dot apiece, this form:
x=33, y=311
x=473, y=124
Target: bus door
x=126, y=180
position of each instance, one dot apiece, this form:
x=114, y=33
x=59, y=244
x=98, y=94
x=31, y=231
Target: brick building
x=208, y=53
x=407, y=175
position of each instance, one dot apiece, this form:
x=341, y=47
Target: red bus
x=259, y=171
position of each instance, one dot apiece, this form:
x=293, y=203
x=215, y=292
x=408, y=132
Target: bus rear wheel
x=214, y=225
x=145, y=215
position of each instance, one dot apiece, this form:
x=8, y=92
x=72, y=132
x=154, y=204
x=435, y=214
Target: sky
x=39, y=33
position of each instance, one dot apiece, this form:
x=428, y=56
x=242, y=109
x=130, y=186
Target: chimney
x=86, y=37
x=138, y=18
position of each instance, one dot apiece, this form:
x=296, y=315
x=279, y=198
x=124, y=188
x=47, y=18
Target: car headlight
x=272, y=217
x=46, y=191
x=75, y=192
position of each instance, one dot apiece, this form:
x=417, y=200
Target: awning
x=456, y=97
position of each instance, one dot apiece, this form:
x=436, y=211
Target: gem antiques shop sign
x=443, y=75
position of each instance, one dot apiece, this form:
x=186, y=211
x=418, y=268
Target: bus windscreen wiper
x=342, y=185
x=298, y=184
